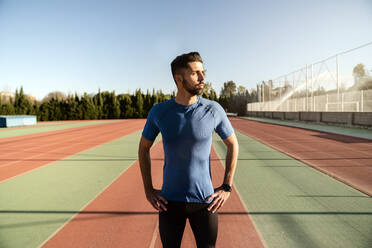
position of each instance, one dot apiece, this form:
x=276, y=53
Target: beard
x=193, y=90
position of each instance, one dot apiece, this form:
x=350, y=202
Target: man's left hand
x=219, y=198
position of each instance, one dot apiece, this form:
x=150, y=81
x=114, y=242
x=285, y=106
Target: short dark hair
x=180, y=62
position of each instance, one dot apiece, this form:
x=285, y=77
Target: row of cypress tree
x=103, y=105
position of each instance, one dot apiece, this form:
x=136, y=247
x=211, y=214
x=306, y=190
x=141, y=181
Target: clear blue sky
x=80, y=46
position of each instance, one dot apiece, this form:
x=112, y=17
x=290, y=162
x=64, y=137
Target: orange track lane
x=345, y=158
x=21, y=154
x=121, y=216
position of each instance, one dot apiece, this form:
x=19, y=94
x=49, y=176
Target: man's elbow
x=231, y=142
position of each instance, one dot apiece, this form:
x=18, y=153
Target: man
x=186, y=123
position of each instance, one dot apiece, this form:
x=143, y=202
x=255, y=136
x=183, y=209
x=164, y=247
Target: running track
x=135, y=222
x=132, y=213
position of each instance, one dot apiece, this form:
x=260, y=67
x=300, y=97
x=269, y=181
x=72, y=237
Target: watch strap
x=226, y=187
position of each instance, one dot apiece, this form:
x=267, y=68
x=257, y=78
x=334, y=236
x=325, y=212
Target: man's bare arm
x=152, y=195
x=231, y=158
x=220, y=196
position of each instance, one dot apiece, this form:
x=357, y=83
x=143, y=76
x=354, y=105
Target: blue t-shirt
x=187, y=139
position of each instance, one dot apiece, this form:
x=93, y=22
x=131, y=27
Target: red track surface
x=21, y=154
x=121, y=216
x=345, y=158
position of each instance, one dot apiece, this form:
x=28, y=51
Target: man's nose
x=201, y=76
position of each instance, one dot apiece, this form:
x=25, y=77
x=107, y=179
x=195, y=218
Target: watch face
x=226, y=187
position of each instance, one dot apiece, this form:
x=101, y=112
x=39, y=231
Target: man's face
x=193, y=78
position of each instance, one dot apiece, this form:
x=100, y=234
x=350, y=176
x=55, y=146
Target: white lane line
x=154, y=235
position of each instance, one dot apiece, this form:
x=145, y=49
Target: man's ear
x=179, y=79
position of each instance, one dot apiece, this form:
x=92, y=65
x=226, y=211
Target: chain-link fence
x=342, y=82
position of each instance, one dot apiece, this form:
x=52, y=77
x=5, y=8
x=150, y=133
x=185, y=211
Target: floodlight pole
x=312, y=89
x=338, y=87
x=306, y=102
x=293, y=97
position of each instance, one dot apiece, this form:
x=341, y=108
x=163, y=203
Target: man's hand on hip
x=219, y=198
x=156, y=200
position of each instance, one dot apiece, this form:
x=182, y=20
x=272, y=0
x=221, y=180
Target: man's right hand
x=156, y=200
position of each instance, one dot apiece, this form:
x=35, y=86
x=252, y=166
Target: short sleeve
x=222, y=124
x=151, y=130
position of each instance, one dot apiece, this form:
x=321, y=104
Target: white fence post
x=295, y=104
x=361, y=101
x=304, y=104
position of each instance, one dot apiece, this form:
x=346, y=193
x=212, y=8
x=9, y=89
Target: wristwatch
x=226, y=187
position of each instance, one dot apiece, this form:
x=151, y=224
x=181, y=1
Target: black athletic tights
x=204, y=224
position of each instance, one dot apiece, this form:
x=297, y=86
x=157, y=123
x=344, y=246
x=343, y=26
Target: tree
x=213, y=95
x=114, y=112
x=71, y=106
x=111, y=106
x=241, y=101
x=362, y=80
x=126, y=109
x=359, y=71
x=44, y=111
x=36, y=110
x=88, y=108
x=98, y=102
x=22, y=104
x=7, y=109
x=209, y=92
x=154, y=97
x=147, y=103
x=138, y=99
x=229, y=89
x=206, y=89
x=253, y=95
x=241, y=90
